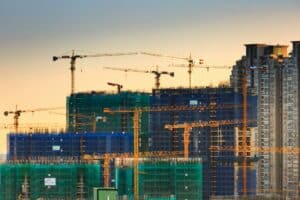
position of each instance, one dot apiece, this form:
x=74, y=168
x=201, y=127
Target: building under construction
x=222, y=175
x=221, y=171
x=229, y=146
x=48, y=181
x=66, y=146
x=85, y=113
x=163, y=179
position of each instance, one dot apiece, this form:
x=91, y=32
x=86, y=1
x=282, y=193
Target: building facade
x=65, y=146
x=220, y=176
x=85, y=113
x=274, y=77
x=161, y=178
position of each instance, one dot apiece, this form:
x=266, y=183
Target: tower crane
x=156, y=73
x=119, y=86
x=73, y=57
x=17, y=113
x=190, y=60
x=136, y=126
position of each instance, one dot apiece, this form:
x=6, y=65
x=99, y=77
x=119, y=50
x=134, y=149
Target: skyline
x=32, y=32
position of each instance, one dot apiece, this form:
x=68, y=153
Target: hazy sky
x=32, y=31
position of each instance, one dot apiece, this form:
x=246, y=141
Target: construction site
x=233, y=141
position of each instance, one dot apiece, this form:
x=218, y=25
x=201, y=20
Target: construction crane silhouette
x=17, y=113
x=73, y=57
x=190, y=60
x=119, y=86
x=156, y=73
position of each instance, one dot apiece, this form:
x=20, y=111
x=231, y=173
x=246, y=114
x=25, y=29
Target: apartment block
x=274, y=77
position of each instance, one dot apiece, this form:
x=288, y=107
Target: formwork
x=168, y=179
x=45, y=181
x=85, y=113
x=66, y=145
x=218, y=165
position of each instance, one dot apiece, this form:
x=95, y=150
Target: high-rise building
x=296, y=57
x=221, y=175
x=290, y=129
x=274, y=78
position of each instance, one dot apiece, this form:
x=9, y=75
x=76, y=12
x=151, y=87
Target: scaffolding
x=172, y=178
x=48, y=181
x=84, y=111
x=219, y=178
x=66, y=145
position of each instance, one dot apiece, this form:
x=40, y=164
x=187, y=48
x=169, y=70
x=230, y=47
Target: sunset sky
x=33, y=31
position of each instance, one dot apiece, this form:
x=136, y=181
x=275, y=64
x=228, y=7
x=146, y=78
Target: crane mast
x=72, y=68
x=190, y=68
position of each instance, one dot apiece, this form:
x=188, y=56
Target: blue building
x=218, y=166
x=66, y=145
